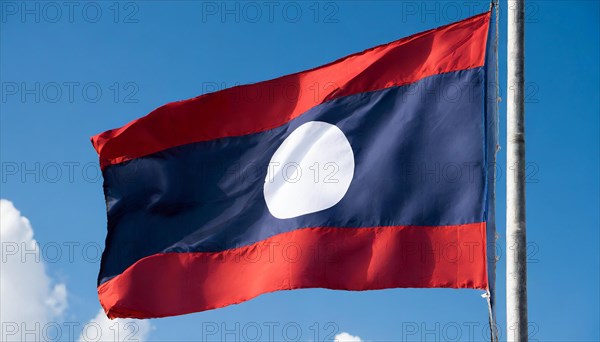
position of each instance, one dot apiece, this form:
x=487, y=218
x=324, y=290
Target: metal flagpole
x=516, y=242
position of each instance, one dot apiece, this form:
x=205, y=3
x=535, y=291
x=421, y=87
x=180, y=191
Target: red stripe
x=334, y=258
x=262, y=106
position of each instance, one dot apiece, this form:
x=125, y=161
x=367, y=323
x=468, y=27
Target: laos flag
x=370, y=172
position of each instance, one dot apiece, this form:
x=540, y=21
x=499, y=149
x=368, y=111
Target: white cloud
x=345, y=337
x=100, y=328
x=29, y=296
x=33, y=304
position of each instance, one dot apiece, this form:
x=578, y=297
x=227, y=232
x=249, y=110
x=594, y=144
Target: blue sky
x=70, y=70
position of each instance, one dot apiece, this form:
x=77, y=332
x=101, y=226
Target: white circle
x=311, y=171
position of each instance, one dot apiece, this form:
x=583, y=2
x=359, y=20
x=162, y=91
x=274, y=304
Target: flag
x=370, y=172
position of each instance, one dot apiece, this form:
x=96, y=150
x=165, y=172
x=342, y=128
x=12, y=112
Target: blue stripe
x=419, y=160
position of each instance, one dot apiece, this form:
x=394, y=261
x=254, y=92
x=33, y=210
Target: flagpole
x=516, y=241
